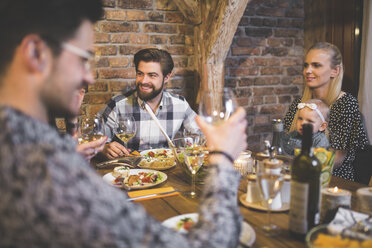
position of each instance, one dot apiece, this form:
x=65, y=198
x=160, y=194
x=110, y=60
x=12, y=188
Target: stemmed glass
x=125, y=128
x=91, y=129
x=217, y=106
x=270, y=177
x=194, y=158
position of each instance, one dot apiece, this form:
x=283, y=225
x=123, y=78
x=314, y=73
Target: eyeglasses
x=311, y=106
x=87, y=56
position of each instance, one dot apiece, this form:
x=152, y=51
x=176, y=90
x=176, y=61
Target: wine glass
x=217, y=106
x=194, y=158
x=270, y=177
x=125, y=128
x=91, y=129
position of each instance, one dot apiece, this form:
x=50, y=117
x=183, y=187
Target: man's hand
x=114, y=149
x=90, y=149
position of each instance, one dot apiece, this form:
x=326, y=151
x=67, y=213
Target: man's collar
x=163, y=101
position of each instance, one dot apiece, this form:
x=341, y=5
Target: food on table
x=328, y=241
x=143, y=178
x=158, y=159
x=120, y=171
x=134, y=154
x=186, y=224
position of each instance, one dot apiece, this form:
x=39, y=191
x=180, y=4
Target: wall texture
x=264, y=65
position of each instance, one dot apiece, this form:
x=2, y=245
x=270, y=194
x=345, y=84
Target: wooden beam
x=190, y=10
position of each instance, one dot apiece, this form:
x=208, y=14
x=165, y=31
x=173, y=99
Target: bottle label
x=298, y=207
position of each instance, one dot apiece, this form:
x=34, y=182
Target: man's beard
x=149, y=96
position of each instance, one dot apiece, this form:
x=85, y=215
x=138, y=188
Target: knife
x=152, y=195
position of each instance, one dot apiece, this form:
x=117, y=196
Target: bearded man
x=153, y=71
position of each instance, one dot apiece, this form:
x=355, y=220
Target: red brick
x=136, y=15
x=100, y=62
x=246, y=82
x=92, y=110
x=183, y=72
x=259, y=32
x=116, y=73
x=118, y=15
x=263, y=11
x=119, y=86
x=262, y=61
x=176, y=83
x=137, y=4
x=139, y=38
x=273, y=42
x=119, y=62
x=295, y=13
x=275, y=51
x=186, y=29
x=165, y=5
x=266, y=80
x=177, y=39
x=155, y=16
x=130, y=50
x=158, y=39
x=120, y=38
x=97, y=98
x=101, y=37
x=246, y=62
x=287, y=42
x=243, y=72
x=272, y=109
x=284, y=99
x=180, y=50
x=257, y=100
x=262, y=120
x=291, y=61
x=98, y=86
x=119, y=27
x=271, y=71
x=294, y=70
x=108, y=3
x=286, y=90
x=269, y=99
x=179, y=61
x=105, y=50
x=174, y=17
x=160, y=28
x=287, y=33
x=263, y=91
x=245, y=51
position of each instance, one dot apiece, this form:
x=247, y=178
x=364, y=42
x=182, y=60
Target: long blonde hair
x=335, y=83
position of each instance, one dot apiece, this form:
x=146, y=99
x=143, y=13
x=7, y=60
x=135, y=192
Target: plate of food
x=123, y=177
x=183, y=223
x=157, y=159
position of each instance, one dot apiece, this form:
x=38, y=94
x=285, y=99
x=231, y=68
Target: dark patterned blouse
x=51, y=197
x=346, y=131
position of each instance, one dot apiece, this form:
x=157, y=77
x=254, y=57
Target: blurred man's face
x=60, y=92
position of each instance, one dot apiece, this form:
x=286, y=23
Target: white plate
x=258, y=205
x=110, y=179
x=247, y=236
x=145, y=152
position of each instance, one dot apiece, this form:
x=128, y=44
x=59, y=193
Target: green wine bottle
x=305, y=188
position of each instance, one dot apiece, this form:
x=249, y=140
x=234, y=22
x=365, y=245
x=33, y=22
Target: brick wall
x=264, y=63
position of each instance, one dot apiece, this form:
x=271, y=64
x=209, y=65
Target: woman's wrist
x=217, y=155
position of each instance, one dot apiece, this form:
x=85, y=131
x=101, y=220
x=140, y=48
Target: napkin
x=152, y=191
x=351, y=224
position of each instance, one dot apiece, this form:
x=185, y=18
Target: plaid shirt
x=174, y=114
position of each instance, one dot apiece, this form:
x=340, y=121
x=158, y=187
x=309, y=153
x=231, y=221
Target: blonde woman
x=323, y=72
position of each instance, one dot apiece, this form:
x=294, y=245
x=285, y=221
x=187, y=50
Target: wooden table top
x=164, y=208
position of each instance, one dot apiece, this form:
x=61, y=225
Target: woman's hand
x=90, y=149
x=229, y=137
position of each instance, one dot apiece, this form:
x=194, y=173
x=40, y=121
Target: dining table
x=170, y=206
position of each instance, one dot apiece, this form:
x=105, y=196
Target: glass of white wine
x=194, y=158
x=217, y=106
x=125, y=128
x=91, y=129
x=270, y=178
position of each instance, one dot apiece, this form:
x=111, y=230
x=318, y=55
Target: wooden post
x=213, y=35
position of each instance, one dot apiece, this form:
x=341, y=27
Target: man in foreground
x=153, y=71
x=50, y=196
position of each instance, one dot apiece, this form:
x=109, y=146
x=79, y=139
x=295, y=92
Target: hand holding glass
x=194, y=158
x=217, y=106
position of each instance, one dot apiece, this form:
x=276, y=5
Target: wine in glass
x=194, y=158
x=91, y=129
x=217, y=106
x=270, y=177
x=125, y=128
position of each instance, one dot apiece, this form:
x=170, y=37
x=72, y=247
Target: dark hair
x=53, y=20
x=155, y=55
